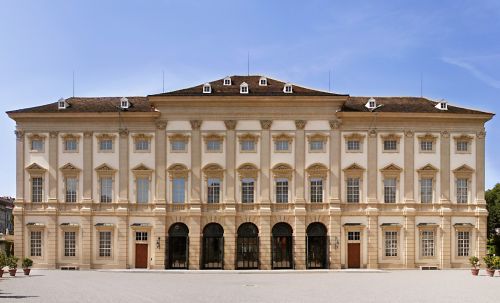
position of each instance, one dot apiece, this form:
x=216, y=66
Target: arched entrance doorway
x=247, y=247
x=317, y=246
x=178, y=246
x=213, y=246
x=282, y=257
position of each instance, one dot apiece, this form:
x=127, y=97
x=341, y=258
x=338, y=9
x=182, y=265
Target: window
x=353, y=145
x=213, y=145
x=316, y=145
x=36, y=243
x=106, y=145
x=178, y=145
x=213, y=190
x=462, y=191
x=105, y=244
x=36, y=189
x=142, y=190
x=247, y=145
x=71, y=188
x=207, y=89
x=281, y=145
x=247, y=190
x=244, y=88
x=141, y=235
x=390, y=190
x=353, y=236
x=353, y=190
x=142, y=145
x=61, y=104
x=70, y=145
x=426, y=190
x=69, y=243
x=391, y=243
x=263, y=81
x=37, y=145
x=390, y=145
x=426, y=146
x=316, y=190
x=427, y=243
x=463, y=243
x=462, y=146
x=178, y=190
x=106, y=189
x=124, y=103
x=288, y=89
x=282, y=190
x=227, y=81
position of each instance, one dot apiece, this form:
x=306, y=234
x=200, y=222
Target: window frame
x=105, y=138
x=283, y=137
x=354, y=137
x=36, y=251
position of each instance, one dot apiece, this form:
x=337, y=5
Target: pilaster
x=194, y=241
x=265, y=161
x=230, y=242
x=51, y=245
x=20, y=232
x=299, y=241
x=86, y=241
x=444, y=171
x=123, y=171
x=20, y=143
x=160, y=160
x=409, y=167
x=480, y=160
x=122, y=230
x=87, y=166
x=409, y=236
x=335, y=151
x=265, y=241
x=372, y=170
x=159, y=236
x=300, y=159
x=334, y=243
x=372, y=240
x=195, y=162
x=230, y=161
x=53, y=152
x=446, y=240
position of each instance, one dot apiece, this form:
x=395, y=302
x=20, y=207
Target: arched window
x=213, y=246
x=178, y=246
x=317, y=246
x=282, y=257
x=247, y=247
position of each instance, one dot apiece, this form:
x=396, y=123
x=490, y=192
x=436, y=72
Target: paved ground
x=256, y=287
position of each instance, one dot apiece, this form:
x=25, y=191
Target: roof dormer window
x=227, y=81
x=124, y=103
x=244, y=88
x=371, y=104
x=207, y=89
x=288, y=88
x=442, y=105
x=263, y=81
x=62, y=104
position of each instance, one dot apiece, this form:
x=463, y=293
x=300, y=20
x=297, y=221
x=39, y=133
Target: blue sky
x=373, y=48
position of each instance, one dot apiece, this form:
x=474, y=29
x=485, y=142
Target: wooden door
x=353, y=255
x=141, y=256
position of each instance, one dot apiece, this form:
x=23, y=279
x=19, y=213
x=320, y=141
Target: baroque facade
x=250, y=172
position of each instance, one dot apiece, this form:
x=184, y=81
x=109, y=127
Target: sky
x=370, y=48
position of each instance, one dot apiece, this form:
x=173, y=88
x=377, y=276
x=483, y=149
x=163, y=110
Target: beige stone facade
x=126, y=189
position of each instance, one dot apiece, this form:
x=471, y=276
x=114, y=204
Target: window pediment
x=317, y=137
x=463, y=170
x=391, y=169
x=391, y=137
x=69, y=168
x=283, y=137
x=248, y=137
x=142, y=169
x=36, y=137
x=70, y=137
x=427, y=137
x=248, y=170
x=105, y=169
x=213, y=170
x=282, y=170
x=178, y=171
x=142, y=136
x=429, y=169
x=354, y=136
x=463, y=137
x=317, y=170
x=179, y=137
x=35, y=169
x=213, y=137
x=105, y=136
x=355, y=167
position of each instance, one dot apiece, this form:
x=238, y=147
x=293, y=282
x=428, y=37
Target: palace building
x=248, y=172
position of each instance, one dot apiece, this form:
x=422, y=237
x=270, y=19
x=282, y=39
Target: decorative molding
x=391, y=136
x=266, y=124
x=213, y=170
x=428, y=170
x=123, y=132
x=445, y=134
x=248, y=170
x=53, y=134
x=481, y=134
x=463, y=137
x=282, y=170
x=354, y=169
x=142, y=136
x=409, y=134
x=283, y=137
x=104, y=136
x=69, y=136
x=317, y=170
x=248, y=137
x=463, y=171
x=178, y=170
x=35, y=168
x=300, y=124
x=317, y=137
x=105, y=169
x=19, y=134
x=179, y=137
x=88, y=134
x=213, y=137
x=391, y=170
x=230, y=124
x=69, y=169
x=427, y=137
x=335, y=124
x=195, y=124
x=354, y=136
x=36, y=136
x=142, y=169
x=372, y=133
x=161, y=124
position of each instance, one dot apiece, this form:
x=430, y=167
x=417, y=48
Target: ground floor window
x=391, y=243
x=427, y=243
x=353, y=236
x=69, y=244
x=36, y=243
x=141, y=235
x=105, y=244
x=463, y=243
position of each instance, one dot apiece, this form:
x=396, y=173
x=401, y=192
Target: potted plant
x=474, y=261
x=12, y=263
x=27, y=263
x=489, y=261
x=497, y=263
x=3, y=262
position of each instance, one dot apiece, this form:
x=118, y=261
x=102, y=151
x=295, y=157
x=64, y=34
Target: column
x=444, y=171
x=265, y=241
x=159, y=235
x=194, y=225
x=20, y=231
x=372, y=240
x=265, y=161
x=51, y=245
x=300, y=159
x=372, y=167
x=446, y=240
x=334, y=244
x=229, y=242
x=195, y=161
x=160, y=160
x=87, y=170
x=86, y=240
x=299, y=241
x=53, y=165
x=335, y=152
x=123, y=170
x=230, y=161
x=409, y=245
x=481, y=225
x=18, y=210
x=409, y=167
x=122, y=230
x=480, y=159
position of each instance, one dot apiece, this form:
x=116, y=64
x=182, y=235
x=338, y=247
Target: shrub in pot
x=474, y=262
x=12, y=263
x=3, y=262
x=490, y=261
x=497, y=263
x=27, y=263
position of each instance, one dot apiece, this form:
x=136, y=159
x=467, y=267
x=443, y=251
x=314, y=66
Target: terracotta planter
x=12, y=272
x=26, y=271
x=491, y=272
x=475, y=271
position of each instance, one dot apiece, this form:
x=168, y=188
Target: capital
x=230, y=124
x=300, y=124
x=195, y=124
x=266, y=124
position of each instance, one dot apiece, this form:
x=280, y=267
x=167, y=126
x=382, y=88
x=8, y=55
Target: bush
x=490, y=262
x=3, y=260
x=27, y=263
x=12, y=262
x=474, y=261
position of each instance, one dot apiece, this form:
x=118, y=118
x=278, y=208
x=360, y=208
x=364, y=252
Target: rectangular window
x=353, y=236
x=462, y=191
x=316, y=190
x=463, y=243
x=69, y=244
x=353, y=145
x=178, y=190
x=247, y=145
x=281, y=145
x=426, y=145
x=462, y=146
x=353, y=190
x=213, y=145
x=142, y=145
x=106, y=189
x=391, y=243
x=427, y=243
x=105, y=244
x=213, y=190
x=282, y=190
x=178, y=145
x=71, y=187
x=426, y=190
x=143, y=190
x=36, y=189
x=37, y=145
x=247, y=190
x=106, y=144
x=141, y=235
x=36, y=243
x=70, y=145
x=390, y=190
x=316, y=145
x=390, y=145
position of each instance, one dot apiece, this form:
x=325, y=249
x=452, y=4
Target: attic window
x=263, y=81
x=371, y=104
x=244, y=88
x=227, y=81
x=288, y=89
x=207, y=89
x=442, y=105
x=62, y=104
x=124, y=104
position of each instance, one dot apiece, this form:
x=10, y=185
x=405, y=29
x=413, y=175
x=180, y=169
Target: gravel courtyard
x=256, y=287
